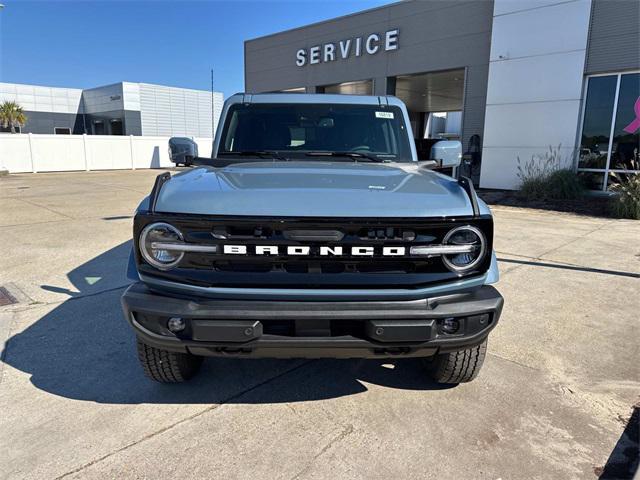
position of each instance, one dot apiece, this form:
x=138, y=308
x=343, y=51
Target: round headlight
x=158, y=233
x=466, y=236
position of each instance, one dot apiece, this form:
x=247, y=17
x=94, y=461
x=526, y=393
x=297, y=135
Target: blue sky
x=87, y=44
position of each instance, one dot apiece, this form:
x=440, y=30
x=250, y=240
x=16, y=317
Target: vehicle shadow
x=624, y=460
x=84, y=349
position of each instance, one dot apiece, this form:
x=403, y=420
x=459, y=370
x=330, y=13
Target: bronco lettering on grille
x=305, y=250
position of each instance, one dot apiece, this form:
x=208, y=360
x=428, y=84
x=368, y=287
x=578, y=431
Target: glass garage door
x=610, y=137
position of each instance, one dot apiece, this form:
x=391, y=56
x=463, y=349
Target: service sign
x=350, y=47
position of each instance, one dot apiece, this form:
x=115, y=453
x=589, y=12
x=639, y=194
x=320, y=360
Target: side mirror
x=182, y=150
x=448, y=153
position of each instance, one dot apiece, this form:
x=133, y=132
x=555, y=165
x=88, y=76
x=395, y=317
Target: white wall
x=535, y=84
x=131, y=96
x=55, y=153
x=34, y=98
x=178, y=111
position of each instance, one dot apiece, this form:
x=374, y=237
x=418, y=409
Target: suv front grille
x=311, y=270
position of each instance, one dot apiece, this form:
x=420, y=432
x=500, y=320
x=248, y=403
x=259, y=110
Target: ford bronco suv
x=312, y=231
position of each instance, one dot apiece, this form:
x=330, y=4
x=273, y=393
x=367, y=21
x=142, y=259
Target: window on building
x=117, y=128
x=7, y=129
x=596, y=126
x=62, y=131
x=626, y=131
x=610, y=140
x=98, y=127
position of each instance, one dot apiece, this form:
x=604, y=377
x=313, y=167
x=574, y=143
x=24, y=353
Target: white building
x=123, y=108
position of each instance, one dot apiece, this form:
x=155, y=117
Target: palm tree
x=12, y=115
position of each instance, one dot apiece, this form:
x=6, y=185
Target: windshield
x=295, y=130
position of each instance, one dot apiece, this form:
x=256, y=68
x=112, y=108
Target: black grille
x=313, y=270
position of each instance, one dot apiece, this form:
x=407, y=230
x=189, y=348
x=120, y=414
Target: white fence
x=58, y=153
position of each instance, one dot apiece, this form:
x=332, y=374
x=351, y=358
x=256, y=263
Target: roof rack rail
x=467, y=185
x=155, y=191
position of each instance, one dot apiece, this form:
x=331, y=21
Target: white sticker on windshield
x=384, y=115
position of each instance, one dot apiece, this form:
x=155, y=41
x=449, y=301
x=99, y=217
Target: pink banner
x=635, y=125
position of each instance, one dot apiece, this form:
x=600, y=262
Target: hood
x=314, y=189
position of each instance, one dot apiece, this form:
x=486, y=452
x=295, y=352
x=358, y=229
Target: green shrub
x=564, y=184
x=626, y=202
x=533, y=188
x=544, y=178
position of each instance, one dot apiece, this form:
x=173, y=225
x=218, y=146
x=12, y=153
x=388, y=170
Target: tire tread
x=459, y=367
x=167, y=367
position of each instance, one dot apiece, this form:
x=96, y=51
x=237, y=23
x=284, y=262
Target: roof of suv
x=314, y=98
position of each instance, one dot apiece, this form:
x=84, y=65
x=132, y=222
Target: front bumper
x=312, y=329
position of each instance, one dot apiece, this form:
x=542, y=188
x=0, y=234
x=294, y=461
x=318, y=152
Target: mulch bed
x=591, y=205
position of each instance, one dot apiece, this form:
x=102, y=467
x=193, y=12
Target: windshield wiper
x=353, y=155
x=256, y=153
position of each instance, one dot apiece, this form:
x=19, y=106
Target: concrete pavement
x=553, y=399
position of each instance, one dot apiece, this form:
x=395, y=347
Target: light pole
x=213, y=114
x=3, y=169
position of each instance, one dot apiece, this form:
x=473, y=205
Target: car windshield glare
x=294, y=130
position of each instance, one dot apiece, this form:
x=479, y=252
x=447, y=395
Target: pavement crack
x=23, y=307
x=184, y=420
x=529, y=257
x=575, y=239
x=46, y=208
x=514, y=362
x=6, y=227
x=542, y=255
x=345, y=432
x=126, y=189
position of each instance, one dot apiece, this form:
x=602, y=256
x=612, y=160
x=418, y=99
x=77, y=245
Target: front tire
x=167, y=367
x=458, y=367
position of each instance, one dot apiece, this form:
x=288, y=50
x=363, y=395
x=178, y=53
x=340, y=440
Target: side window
x=626, y=132
x=610, y=140
x=596, y=129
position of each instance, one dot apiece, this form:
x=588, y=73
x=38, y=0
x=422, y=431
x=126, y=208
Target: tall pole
x=3, y=170
x=1, y=8
x=213, y=130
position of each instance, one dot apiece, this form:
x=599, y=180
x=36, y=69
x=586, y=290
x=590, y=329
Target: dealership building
x=508, y=78
x=123, y=108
